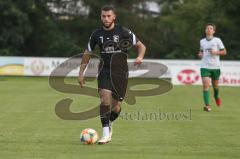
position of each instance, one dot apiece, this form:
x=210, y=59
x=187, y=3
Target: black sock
x=105, y=115
x=114, y=115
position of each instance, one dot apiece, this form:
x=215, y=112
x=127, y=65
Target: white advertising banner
x=184, y=72
x=181, y=72
x=187, y=72
x=43, y=66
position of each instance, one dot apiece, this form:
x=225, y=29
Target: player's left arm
x=139, y=46
x=222, y=50
x=141, y=49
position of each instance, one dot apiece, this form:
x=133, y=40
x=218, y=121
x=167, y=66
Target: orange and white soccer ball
x=89, y=136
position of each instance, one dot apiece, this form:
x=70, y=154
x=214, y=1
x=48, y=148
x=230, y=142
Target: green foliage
x=14, y=28
x=189, y=19
x=29, y=28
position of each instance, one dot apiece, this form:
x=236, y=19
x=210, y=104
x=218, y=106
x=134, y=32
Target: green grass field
x=30, y=129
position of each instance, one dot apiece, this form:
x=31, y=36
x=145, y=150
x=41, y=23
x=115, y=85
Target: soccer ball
x=89, y=136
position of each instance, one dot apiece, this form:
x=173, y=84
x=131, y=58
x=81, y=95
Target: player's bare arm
x=200, y=54
x=84, y=63
x=220, y=52
x=141, y=49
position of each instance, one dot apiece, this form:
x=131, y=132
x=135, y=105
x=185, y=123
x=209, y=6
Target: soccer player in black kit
x=113, y=41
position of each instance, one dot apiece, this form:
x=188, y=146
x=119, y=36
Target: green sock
x=216, y=93
x=206, y=97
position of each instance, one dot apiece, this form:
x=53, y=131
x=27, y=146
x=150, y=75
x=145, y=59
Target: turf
x=30, y=129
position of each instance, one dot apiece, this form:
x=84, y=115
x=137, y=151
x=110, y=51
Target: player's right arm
x=84, y=63
x=200, y=52
x=86, y=58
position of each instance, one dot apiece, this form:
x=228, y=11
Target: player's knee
x=105, y=101
x=205, y=87
x=117, y=109
x=215, y=87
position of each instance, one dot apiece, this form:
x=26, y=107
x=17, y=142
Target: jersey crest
x=116, y=38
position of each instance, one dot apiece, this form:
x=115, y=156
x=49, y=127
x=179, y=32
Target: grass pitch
x=168, y=126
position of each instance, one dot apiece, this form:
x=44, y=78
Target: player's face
x=209, y=30
x=108, y=18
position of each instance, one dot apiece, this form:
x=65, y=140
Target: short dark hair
x=108, y=8
x=211, y=24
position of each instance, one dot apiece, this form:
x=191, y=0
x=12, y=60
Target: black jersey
x=117, y=40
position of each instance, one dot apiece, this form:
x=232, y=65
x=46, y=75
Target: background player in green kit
x=211, y=48
x=113, y=41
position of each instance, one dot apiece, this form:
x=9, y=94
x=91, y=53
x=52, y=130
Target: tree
x=62, y=27
x=15, y=26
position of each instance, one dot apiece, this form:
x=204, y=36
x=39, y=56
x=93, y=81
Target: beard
x=108, y=26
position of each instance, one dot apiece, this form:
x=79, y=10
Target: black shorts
x=115, y=83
